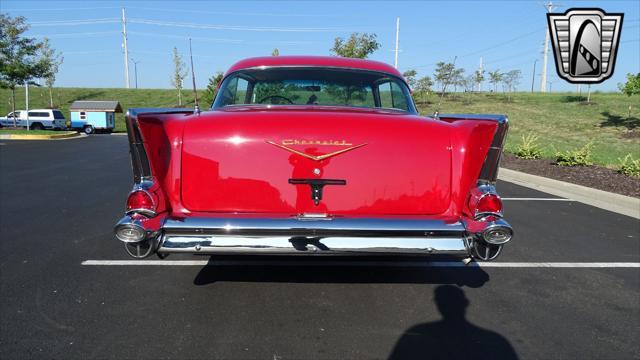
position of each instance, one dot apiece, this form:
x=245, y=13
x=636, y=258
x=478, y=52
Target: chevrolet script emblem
x=585, y=44
x=284, y=143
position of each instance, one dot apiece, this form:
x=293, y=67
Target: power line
x=226, y=12
x=526, y=53
x=83, y=34
x=503, y=43
x=485, y=49
x=223, y=40
x=230, y=27
x=75, y=22
x=65, y=9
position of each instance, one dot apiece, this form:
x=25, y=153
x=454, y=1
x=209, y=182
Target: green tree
x=631, y=87
x=20, y=62
x=423, y=86
x=511, y=80
x=275, y=52
x=410, y=76
x=179, y=73
x=444, y=74
x=457, y=78
x=495, y=77
x=52, y=60
x=212, y=87
x=357, y=46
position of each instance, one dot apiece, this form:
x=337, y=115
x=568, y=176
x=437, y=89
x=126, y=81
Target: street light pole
x=135, y=70
x=533, y=77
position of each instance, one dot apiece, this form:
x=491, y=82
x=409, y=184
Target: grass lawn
x=30, y=132
x=128, y=98
x=561, y=120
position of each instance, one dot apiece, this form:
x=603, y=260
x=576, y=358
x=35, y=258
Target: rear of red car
x=304, y=177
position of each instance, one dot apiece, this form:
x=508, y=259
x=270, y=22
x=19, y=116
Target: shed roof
x=91, y=105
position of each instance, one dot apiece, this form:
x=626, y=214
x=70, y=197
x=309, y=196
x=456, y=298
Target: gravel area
x=597, y=177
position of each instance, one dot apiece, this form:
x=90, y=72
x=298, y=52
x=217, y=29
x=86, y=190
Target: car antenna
x=196, y=109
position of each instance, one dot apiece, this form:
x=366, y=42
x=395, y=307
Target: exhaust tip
x=497, y=234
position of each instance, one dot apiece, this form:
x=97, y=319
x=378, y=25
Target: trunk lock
x=316, y=186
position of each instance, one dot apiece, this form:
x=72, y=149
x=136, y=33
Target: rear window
x=38, y=114
x=314, y=87
x=58, y=115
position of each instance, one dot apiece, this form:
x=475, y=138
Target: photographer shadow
x=453, y=337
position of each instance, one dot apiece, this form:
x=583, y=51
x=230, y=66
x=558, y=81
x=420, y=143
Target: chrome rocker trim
x=338, y=236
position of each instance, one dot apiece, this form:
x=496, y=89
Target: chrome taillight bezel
x=143, y=211
x=477, y=194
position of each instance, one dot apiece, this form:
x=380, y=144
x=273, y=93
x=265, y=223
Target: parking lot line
x=537, y=199
x=362, y=263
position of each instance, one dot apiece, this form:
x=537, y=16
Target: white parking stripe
x=362, y=263
x=537, y=199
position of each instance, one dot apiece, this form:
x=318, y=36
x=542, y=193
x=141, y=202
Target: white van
x=38, y=119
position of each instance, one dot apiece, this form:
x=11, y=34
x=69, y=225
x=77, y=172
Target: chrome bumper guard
x=318, y=236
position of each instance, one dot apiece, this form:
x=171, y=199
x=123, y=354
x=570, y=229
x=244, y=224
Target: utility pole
x=135, y=70
x=395, y=63
x=126, y=49
x=543, y=81
x=550, y=83
x=533, y=77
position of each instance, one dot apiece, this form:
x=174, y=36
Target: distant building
x=90, y=116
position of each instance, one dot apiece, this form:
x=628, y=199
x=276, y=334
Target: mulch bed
x=597, y=177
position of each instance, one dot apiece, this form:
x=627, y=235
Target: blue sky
x=508, y=35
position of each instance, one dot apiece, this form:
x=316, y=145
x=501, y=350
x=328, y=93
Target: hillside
x=562, y=120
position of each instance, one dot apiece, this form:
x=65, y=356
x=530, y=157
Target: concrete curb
x=620, y=204
x=65, y=135
x=119, y=134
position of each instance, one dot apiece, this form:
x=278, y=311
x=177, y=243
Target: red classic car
x=313, y=155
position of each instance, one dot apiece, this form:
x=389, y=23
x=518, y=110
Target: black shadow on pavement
x=312, y=272
x=453, y=337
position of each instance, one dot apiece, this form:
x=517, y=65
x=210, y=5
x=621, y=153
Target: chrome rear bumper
x=335, y=236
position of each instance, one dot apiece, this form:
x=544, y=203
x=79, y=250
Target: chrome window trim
x=412, y=109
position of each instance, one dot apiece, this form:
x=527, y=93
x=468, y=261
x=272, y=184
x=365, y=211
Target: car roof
x=314, y=61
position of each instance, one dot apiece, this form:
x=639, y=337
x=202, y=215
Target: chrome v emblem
x=312, y=157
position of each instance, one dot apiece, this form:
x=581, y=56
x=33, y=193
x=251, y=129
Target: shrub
x=529, y=148
x=579, y=157
x=629, y=166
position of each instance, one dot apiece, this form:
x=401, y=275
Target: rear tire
x=88, y=130
x=36, y=126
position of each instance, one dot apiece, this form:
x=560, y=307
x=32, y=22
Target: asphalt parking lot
x=60, y=199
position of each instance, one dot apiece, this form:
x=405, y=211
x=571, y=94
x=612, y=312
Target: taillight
x=140, y=201
x=484, y=201
x=489, y=203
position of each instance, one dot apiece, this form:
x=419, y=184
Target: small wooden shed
x=92, y=115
